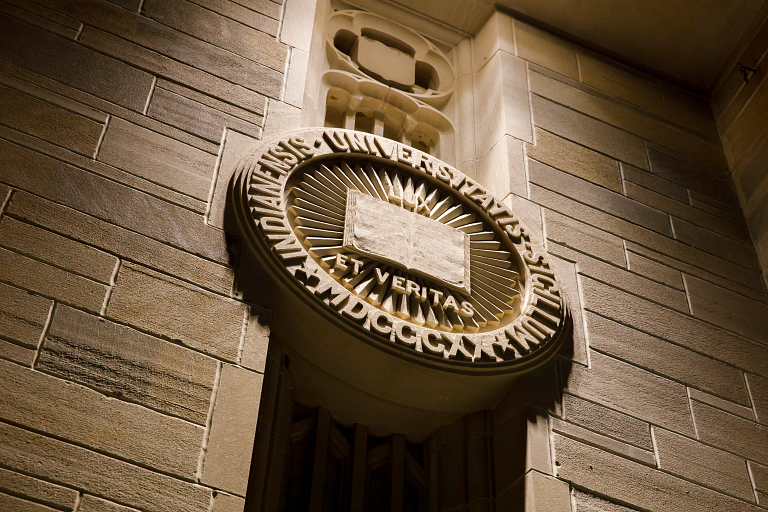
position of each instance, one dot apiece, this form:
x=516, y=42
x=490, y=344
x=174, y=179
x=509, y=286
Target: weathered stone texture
x=607, y=421
x=606, y=443
x=57, y=250
x=20, y=505
x=22, y=315
x=578, y=160
x=179, y=311
x=633, y=391
x=700, y=463
x=78, y=467
x=121, y=241
x=50, y=281
x=89, y=418
x=758, y=387
x=232, y=430
x=90, y=503
x=157, y=158
x=654, y=270
x=34, y=489
x=125, y=363
x=584, y=238
x=733, y=433
x=638, y=485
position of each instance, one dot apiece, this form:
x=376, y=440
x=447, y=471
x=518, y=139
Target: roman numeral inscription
x=413, y=242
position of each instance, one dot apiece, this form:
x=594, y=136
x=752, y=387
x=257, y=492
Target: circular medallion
x=400, y=250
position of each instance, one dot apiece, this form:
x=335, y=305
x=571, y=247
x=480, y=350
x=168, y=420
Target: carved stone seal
x=401, y=250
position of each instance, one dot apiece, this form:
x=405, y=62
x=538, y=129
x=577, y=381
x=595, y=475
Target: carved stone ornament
x=400, y=250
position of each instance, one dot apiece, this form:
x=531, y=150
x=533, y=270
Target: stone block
x=298, y=22
x=541, y=48
x=49, y=122
x=81, y=415
x=745, y=283
x=72, y=64
x=637, y=485
x=171, y=69
x=256, y=341
x=168, y=307
x=633, y=391
x=574, y=159
x=157, y=158
x=495, y=35
x=177, y=44
x=760, y=476
x=688, y=213
x=17, y=353
x=253, y=284
x=606, y=443
x=251, y=14
x=544, y=493
x=39, y=490
x=51, y=281
x=584, y=238
x=730, y=432
x=235, y=145
x=57, y=250
x=233, y=430
x=22, y=315
x=90, y=503
x=8, y=502
x=567, y=276
x=598, y=197
x=532, y=217
x=501, y=109
x=654, y=270
x=44, y=18
x=227, y=503
x=666, y=358
x=727, y=309
x=282, y=117
x=117, y=480
x=711, y=242
x=195, y=117
x=632, y=232
x=691, y=177
x=97, y=196
x=296, y=78
x=655, y=183
x=726, y=211
x=758, y=387
x=751, y=178
x=502, y=170
x=122, y=362
x=720, y=403
x=588, y=503
x=607, y=421
x=700, y=463
x=673, y=326
x=201, y=20
x=645, y=86
x=627, y=119
x=587, y=131
x=125, y=243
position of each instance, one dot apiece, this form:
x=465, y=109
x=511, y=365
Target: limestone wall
x=132, y=358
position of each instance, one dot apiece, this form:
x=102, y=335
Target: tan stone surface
x=57, y=250
x=720, y=403
x=760, y=475
x=588, y=503
x=635, y=484
x=733, y=433
x=543, y=49
x=694, y=177
x=90, y=503
x=653, y=182
x=49, y=122
x=121, y=241
x=739, y=253
x=633, y=391
x=214, y=328
x=256, y=341
x=17, y=353
x=700, y=463
x=8, y=502
x=38, y=490
x=495, y=35
x=675, y=327
x=544, y=493
x=50, y=281
x=235, y=144
x=589, y=132
x=607, y=421
x=22, y=315
x=567, y=276
x=227, y=503
x=233, y=429
x=502, y=170
x=578, y=160
x=654, y=270
x=157, y=158
x=65, y=61
x=666, y=358
x=584, y=238
x=78, y=467
x=606, y=443
x=89, y=418
x=296, y=78
x=125, y=363
x=758, y=387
